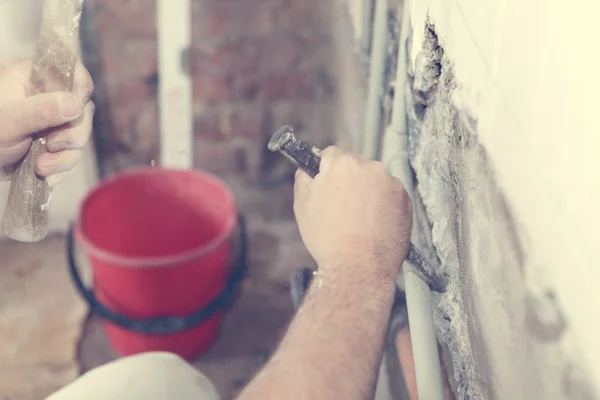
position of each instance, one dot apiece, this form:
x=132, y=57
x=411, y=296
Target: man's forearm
x=333, y=347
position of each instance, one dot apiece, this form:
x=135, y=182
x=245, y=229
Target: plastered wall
x=501, y=104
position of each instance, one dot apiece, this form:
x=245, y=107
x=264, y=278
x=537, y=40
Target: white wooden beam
x=175, y=88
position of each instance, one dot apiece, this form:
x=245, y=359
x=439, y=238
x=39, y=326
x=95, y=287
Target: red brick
x=231, y=19
x=239, y=60
x=129, y=95
x=226, y=123
x=230, y=54
x=299, y=84
x=207, y=125
x=212, y=87
x=248, y=121
x=292, y=49
x=146, y=132
x=247, y=85
x=220, y=158
x=136, y=131
x=286, y=113
x=139, y=57
x=118, y=19
x=305, y=15
x=129, y=60
x=247, y=55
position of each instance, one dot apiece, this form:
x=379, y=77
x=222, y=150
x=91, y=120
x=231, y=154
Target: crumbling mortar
x=451, y=132
x=424, y=92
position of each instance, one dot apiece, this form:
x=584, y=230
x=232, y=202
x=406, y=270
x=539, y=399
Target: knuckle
x=348, y=159
x=76, y=156
x=378, y=166
x=47, y=108
x=88, y=84
x=397, y=182
x=330, y=152
x=85, y=81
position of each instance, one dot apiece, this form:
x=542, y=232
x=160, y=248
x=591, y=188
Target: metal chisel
x=307, y=158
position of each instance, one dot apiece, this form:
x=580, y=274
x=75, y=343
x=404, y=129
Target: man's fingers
x=54, y=163
x=328, y=157
x=55, y=179
x=13, y=152
x=35, y=114
x=301, y=186
x=75, y=136
x=83, y=85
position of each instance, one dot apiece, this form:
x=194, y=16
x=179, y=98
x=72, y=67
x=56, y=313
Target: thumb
x=301, y=186
x=24, y=118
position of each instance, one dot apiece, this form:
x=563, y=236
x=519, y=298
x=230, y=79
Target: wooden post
x=173, y=21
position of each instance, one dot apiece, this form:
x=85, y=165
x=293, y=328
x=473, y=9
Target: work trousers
x=146, y=376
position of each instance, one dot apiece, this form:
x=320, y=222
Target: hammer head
x=281, y=137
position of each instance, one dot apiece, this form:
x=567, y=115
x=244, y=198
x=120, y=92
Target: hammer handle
x=53, y=69
x=302, y=156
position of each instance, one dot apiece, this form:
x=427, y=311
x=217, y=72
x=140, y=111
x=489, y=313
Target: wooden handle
x=53, y=69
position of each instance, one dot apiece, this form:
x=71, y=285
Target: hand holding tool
x=53, y=69
x=306, y=158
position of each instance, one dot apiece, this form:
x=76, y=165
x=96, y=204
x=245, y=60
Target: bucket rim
x=92, y=250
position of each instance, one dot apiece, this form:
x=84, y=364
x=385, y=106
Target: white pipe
x=173, y=18
x=367, y=25
x=376, y=75
x=395, y=156
x=372, y=132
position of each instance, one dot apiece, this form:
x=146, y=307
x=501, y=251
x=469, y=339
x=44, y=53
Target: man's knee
x=146, y=376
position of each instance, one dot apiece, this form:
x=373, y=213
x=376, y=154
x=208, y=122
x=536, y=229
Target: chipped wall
x=502, y=132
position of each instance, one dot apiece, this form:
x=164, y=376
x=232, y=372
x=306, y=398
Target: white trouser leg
x=147, y=376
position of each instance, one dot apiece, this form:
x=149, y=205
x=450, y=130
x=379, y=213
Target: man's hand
x=355, y=220
x=353, y=211
x=65, y=117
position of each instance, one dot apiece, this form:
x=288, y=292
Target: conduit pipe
x=418, y=297
x=367, y=25
x=395, y=156
x=378, y=31
x=376, y=75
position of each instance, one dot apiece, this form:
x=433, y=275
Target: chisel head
x=281, y=137
x=298, y=152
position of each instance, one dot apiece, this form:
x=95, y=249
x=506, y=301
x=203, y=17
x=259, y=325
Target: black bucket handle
x=165, y=325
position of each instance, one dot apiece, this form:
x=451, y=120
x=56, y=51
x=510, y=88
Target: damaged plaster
x=505, y=331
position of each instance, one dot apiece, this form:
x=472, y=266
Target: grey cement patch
x=502, y=325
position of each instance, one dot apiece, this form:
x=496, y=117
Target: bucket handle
x=165, y=325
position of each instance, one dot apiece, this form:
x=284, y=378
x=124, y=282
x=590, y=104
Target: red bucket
x=158, y=241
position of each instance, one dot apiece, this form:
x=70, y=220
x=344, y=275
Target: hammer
x=307, y=158
x=52, y=70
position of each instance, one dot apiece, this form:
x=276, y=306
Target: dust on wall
x=504, y=330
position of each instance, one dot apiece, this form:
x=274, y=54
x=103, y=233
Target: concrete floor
x=251, y=329
x=40, y=320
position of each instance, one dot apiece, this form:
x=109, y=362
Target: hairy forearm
x=333, y=347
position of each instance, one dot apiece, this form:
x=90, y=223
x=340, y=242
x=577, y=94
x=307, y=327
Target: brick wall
x=256, y=65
